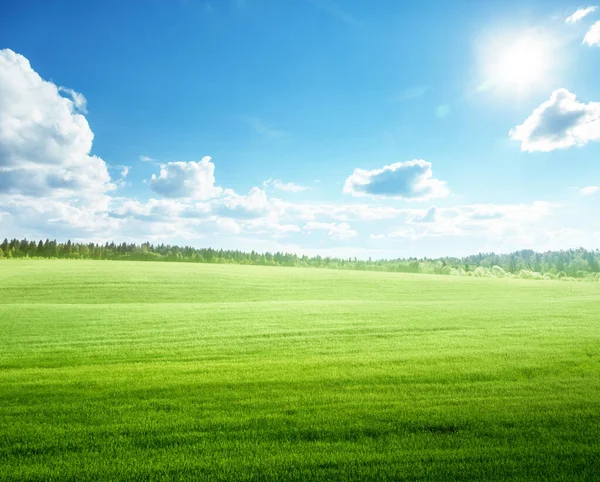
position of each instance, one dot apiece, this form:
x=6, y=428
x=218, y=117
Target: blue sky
x=321, y=126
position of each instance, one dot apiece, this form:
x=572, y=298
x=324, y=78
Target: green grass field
x=164, y=371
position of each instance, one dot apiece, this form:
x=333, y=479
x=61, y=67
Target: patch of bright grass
x=165, y=371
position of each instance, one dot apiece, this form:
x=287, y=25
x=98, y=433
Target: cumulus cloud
x=232, y=205
x=592, y=37
x=194, y=180
x=123, y=173
x=411, y=180
x=229, y=226
x=230, y=213
x=589, y=190
x=558, y=123
x=338, y=212
x=285, y=186
x=429, y=217
x=403, y=233
x=169, y=219
x=58, y=218
x=475, y=219
x=580, y=14
x=154, y=210
x=52, y=186
x=45, y=141
x=79, y=101
x=274, y=228
x=337, y=231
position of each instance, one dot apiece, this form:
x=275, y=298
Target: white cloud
x=429, y=217
x=411, y=180
x=580, y=14
x=48, y=217
x=154, y=210
x=558, y=123
x=474, y=219
x=338, y=212
x=403, y=233
x=285, y=186
x=229, y=214
x=592, y=37
x=123, y=172
x=194, y=180
x=45, y=142
x=337, y=231
x=589, y=190
x=51, y=186
x=79, y=101
x=197, y=210
x=491, y=219
x=266, y=226
x=232, y=205
x=227, y=225
x=170, y=219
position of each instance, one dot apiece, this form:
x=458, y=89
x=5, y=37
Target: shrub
x=480, y=272
x=527, y=274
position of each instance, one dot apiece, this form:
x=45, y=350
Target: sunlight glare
x=517, y=64
x=522, y=63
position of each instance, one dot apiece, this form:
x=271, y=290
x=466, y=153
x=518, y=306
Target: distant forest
x=572, y=263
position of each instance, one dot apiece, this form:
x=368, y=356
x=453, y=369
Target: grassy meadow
x=167, y=371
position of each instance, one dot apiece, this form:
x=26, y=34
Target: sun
x=517, y=63
x=522, y=64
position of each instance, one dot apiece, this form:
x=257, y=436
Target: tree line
x=572, y=263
